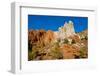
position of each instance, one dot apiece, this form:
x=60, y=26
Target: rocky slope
x=48, y=45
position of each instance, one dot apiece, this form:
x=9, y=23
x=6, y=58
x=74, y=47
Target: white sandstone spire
x=66, y=30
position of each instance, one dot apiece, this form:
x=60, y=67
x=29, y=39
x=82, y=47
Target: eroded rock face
x=35, y=37
x=69, y=52
x=49, y=37
x=42, y=48
x=40, y=37
x=76, y=38
x=31, y=38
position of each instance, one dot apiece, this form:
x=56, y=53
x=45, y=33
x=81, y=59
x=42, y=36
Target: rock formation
x=66, y=30
x=61, y=44
x=49, y=37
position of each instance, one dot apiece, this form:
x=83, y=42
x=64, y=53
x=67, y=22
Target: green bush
x=73, y=41
x=55, y=52
x=32, y=55
x=65, y=41
x=83, y=53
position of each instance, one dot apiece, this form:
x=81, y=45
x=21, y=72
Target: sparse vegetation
x=42, y=47
x=65, y=41
x=83, y=52
x=55, y=51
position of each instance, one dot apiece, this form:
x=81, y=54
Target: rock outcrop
x=61, y=44
x=36, y=37
x=49, y=37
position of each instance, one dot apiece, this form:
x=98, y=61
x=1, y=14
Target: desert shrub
x=58, y=40
x=55, y=52
x=56, y=45
x=65, y=41
x=38, y=51
x=83, y=52
x=86, y=37
x=73, y=41
x=32, y=55
x=29, y=46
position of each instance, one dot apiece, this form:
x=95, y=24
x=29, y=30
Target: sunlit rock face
x=49, y=37
x=76, y=38
x=69, y=52
x=66, y=30
x=69, y=28
x=36, y=36
x=40, y=36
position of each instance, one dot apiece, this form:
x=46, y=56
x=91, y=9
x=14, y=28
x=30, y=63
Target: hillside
x=62, y=44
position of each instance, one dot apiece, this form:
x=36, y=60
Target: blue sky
x=47, y=22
